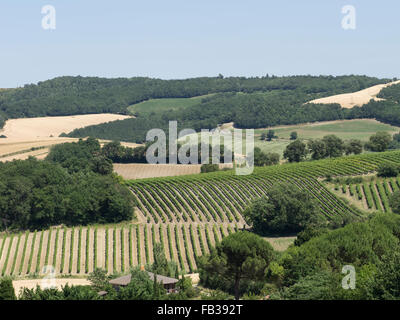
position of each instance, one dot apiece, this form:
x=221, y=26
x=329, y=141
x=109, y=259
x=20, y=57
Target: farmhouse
x=168, y=283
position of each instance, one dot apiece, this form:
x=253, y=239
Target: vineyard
x=188, y=215
x=221, y=197
x=370, y=195
x=79, y=251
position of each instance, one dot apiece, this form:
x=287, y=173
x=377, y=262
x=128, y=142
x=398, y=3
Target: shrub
x=205, y=168
x=388, y=170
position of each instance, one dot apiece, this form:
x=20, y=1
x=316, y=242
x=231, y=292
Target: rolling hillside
x=188, y=215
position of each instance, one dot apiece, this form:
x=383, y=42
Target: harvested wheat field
x=359, y=98
x=144, y=170
x=44, y=283
x=33, y=128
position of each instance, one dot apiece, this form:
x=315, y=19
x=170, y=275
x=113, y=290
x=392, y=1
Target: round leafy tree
x=287, y=209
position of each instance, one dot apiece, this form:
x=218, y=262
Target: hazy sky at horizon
x=183, y=38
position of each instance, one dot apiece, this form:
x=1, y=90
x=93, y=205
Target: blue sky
x=184, y=38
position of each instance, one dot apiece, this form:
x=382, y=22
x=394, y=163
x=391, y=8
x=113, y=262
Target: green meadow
x=158, y=105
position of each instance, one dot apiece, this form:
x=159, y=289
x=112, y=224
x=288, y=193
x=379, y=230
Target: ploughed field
x=187, y=214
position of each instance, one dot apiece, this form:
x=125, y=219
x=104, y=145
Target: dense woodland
x=247, y=110
x=73, y=186
x=84, y=95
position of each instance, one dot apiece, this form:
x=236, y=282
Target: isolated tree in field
x=241, y=255
x=353, y=146
x=270, y=135
x=7, y=289
x=317, y=149
x=293, y=135
x=285, y=210
x=263, y=136
x=379, y=142
x=295, y=151
x=334, y=146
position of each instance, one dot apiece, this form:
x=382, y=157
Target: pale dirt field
x=11, y=256
x=90, y=257
x=134, y=248
x=359, y=98
x=182, y=247
x=31, y=284
x=150, y=243
x=25, y=260
x=118, y=266
x=280, y=243
x=35, y=252
x=165, y=240
x=143, y=260
x=144, y=170
x=174, y=247
x=34, y=128
x=51, y=247
x=125, y=239
x=67, y=251
x=26, y=133
x=110, y=266
x=59, y=250
x=83, y=251
x=100, y=248
x=19, y=255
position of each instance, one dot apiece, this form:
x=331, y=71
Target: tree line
x=331, y=146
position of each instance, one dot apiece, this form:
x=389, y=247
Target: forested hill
x=83, y=95
x=250, y=110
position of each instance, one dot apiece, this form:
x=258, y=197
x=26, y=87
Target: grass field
x=156, y=105
x=360, y=129
x=345, y=129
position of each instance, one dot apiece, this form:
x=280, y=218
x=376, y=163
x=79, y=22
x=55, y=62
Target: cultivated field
x=359, y=98
x=28, y=129
x=188, y=215
x=141, y=171
x=78, y=251
x=371, y=195
x=34, y=136
x=58, y=283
